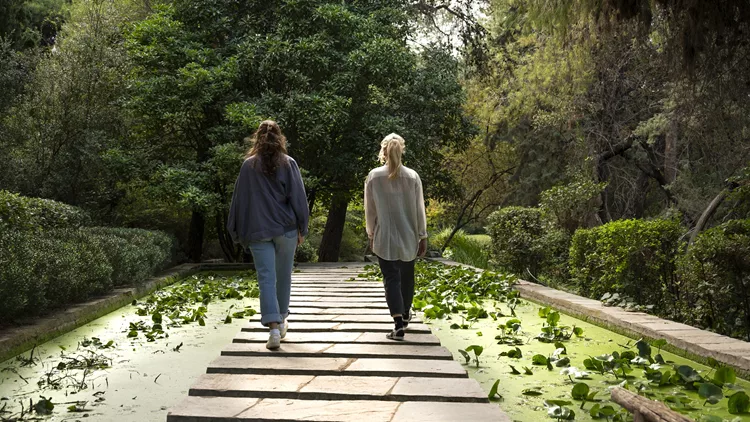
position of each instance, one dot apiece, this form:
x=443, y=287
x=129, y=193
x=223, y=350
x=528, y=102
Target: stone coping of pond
x=684, y=340
x=30, y=332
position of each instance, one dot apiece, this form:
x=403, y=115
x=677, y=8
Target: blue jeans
x=274, y=259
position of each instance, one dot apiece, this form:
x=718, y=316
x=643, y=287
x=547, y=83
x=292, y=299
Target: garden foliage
x=48, y=258
x=464, y=248
x=635, y=258
x=641, y=264
x=715, y=280
x=22, y=213
x=523, y=242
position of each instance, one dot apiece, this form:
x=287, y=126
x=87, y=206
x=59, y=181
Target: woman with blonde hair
x=269, y=216
x=397, y=227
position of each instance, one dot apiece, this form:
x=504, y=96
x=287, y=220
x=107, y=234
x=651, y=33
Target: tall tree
x=338, y=77
x=31, y=23
x=59, y=134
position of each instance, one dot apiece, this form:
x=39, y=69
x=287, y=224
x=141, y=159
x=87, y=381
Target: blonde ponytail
x=391, y=149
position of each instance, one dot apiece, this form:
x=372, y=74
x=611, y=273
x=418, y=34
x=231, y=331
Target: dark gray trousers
x=398, y=278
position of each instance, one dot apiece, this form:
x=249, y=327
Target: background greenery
x=602, y=145
x=50, y=256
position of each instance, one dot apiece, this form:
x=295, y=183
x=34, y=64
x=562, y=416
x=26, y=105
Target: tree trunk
x=330, y=245
x=311, y=197
x=195, y=237
x=639, y=207
x=670, y=151
x=603, y=211
x=644, y=409
x=707, y=214
x=231, y=253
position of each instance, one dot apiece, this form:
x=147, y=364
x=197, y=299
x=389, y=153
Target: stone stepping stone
x=340, y=351
x=339, y=388
x=378, y=367
x=296, y=317
x=449, y=412
x=360, y=295
x=299, y=310
x=308, y=304
x=333, y=326
x=339, y=337
x=336, y=285
x=224, y=409
x=349, y=298
x=339, y=292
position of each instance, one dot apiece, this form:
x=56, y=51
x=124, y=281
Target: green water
x=145, y=379
x=595, y=341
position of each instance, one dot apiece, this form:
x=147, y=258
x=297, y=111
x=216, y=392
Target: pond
x=595, y=341
x=534, y=356
x=122, y=366
x=135, y=363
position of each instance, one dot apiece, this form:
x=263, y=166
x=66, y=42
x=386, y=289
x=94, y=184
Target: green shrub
x=715, y=276
x=522, y=241
x=22, y=213
x=306, y=252
x=40, y=270
x=134, y=254
x=634, y=258
x=74, y=266
x=572, y=205
x=17, y=280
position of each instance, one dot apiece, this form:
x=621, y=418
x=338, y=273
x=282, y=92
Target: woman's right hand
x=422, y=248
x=300, y=239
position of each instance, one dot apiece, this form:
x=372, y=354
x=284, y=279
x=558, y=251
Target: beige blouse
x=395, y=213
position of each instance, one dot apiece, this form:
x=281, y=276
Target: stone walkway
x=336, y=365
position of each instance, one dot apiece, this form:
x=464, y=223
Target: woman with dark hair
x=397, y=227
x=269, y=216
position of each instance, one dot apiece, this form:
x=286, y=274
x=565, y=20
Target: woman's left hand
x=300, y=239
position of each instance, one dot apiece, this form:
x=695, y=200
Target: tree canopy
x=337, y=77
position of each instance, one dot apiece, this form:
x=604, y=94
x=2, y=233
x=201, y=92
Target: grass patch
x=464, y=248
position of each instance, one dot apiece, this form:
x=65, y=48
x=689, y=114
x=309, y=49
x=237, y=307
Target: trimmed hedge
x=522, y=240
x=634, y=258
x=23, y=213
x=40, y=270
x=134, y=254
x=715, y=276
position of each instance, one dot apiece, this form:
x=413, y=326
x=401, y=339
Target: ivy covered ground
x=540, y=364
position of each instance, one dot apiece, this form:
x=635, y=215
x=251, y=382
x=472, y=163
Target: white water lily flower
x=570, y=370
x=558, y=352
x=574, y=372
x=639, y=361
x=655, y=366
x=581, y=374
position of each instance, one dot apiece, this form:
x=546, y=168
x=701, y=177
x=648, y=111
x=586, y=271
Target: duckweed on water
x=187, y=302
x=72, y=374
x=544, y=365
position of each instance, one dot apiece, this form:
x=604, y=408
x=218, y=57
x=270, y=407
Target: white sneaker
x=283, y=327
x=274, y=340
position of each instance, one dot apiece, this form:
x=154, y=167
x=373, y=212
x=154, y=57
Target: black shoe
x=396, y=334
x=407, y=319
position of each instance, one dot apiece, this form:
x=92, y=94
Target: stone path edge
x=15, y=340
x=573, y=305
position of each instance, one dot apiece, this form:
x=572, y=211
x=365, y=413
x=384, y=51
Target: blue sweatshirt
x=264, y=207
